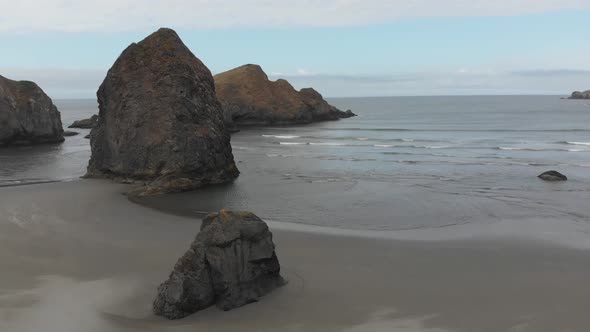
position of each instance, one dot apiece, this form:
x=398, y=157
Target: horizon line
x=408, y=96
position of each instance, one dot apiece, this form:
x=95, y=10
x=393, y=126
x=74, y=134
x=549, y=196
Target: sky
x=343, y=48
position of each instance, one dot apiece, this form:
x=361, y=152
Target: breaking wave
x=281, y=136
x=576, y=143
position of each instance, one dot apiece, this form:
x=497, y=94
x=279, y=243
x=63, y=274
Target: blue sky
x=485, y=50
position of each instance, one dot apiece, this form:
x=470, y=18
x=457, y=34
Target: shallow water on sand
x=78, y=256
x=403, y=163
x=54, y=162
x=415, y=163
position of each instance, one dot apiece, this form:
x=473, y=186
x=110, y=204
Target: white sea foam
x=524, y=149
x=509, y=148
x=539, y=149
x=281, y=136
x=431, y=147
x=240, y=148
x=328, y=144
x=579, y=143
x=292, y=143
x=411, y=146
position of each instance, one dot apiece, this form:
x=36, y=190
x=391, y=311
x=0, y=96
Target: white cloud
x=479, y=81
x=83, y=83
x=120, y=15
x=304, y=72
x=60, y=82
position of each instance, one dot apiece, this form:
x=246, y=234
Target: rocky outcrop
x=27, y=115
x=159, y=122
x=320, y=109
x=580, y=95
x=85, y=123
x=553, y=176
x=348, y=114
x=68, y=133
x=232, y=262
x=248, y=97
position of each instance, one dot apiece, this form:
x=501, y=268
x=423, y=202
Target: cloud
x=83, y=83
x=122, y=15
x=60, y=82
x=465, y=81
x=552, y=72
x=304, y=72
x=359, y=78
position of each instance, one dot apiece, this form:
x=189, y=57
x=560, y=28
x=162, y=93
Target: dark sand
x=79, y=257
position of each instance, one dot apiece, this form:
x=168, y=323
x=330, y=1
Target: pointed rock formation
x=27, y=115
x=232, y=262
x=248, y=97
x=159, y=120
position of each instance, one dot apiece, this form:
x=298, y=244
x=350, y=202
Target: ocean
x=404, y=163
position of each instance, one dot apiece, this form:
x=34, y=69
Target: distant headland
x=248, y=97
x=580, y=95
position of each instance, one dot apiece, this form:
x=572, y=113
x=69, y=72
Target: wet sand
x=78, y=256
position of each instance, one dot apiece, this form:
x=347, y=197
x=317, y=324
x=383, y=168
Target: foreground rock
x=248, y=97
x=232, y=262
x=553, y=176
x=85, y=123
x=160, y=123
x=580, y=95
x=27, y=115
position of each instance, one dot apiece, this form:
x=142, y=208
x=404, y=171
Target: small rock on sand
x=232, y=262
x=553, y=176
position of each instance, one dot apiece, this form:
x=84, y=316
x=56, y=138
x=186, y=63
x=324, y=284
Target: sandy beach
x=294, y=166
x=79, y=256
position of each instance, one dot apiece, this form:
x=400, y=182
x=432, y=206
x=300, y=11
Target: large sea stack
x=159, y=121
x=248, y=97
x=27, y=115
x=232, y=262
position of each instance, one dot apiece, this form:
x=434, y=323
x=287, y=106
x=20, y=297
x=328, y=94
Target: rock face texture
x=159, y=120
x=248, y=97
x=27, y=115
x=232, y=262
x=553, y=176
x=580, y=95
x=85, y=123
